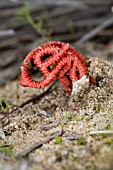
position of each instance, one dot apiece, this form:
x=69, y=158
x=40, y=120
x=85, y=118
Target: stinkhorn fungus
x=54, y=60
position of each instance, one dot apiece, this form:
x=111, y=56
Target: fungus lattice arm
x=54, y=60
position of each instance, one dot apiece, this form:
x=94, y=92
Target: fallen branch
x=38, y=145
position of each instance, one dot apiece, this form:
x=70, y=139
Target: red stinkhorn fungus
x=54, y=60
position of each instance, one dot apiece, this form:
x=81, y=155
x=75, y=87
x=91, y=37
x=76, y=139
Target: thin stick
x=7, y=33
x=38, y=145
x=34, y=98
x=101, y=132
x=38, y=97
x=50, y=125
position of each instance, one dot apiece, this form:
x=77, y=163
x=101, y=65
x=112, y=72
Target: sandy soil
x=84, y=121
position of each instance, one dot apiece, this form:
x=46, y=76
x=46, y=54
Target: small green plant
x=80, y=118
x=109, y=142
x=72, y=28
x=4, y=105
x=17, y=84
x=97, y=108
x=75, y=97
x=6, y=149
x=24, y=14
x=82, y=141
x=70, y=116
x=58, y=140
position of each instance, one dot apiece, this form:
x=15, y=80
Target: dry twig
x=34, y=98
x=101, y=132
x=38, y=145
x=50, y=125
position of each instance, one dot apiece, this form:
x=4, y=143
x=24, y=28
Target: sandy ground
x=84, y=121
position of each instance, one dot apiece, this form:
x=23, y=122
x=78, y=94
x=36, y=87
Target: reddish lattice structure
x=54, y=60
